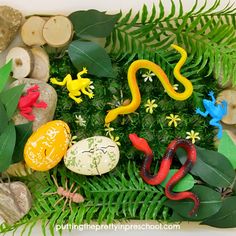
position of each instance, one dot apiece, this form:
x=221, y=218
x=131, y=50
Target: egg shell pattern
x=46, y=147
x=92, y=156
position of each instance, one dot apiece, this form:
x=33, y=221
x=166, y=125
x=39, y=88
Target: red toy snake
x=142, y=145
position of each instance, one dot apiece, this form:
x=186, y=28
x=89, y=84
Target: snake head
x=140, y=144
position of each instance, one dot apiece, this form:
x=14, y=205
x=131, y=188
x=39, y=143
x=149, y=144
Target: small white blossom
x=150, y=106
x=148, y=76
x=80, y=120
x=175, y=87
x=193, y=136
x=74, y=140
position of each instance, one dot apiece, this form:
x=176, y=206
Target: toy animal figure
x=134, y=104
x=142, y=145
x=75, y=87
x=30, y=100
x=67, y=194
x=216, y=111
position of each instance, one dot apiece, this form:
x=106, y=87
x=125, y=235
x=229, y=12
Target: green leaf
x=23, y=132
x=210, y=203
x=10, y=99
x=93, y=23
x=3, y=117
x=234, y=186
x=92, y=56
x=175, y=217
x=225, y=217
x=4, y=74
x=184, y=184
x=227, y=147
x=212, y=167
x=7, y=144
x=144, y=14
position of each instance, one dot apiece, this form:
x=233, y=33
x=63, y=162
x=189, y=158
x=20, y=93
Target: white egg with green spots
x=92, y=156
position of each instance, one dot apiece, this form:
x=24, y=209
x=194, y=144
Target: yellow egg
x=47, y=145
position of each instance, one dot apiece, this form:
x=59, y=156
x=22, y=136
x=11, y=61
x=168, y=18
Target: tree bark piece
x=41, y=64
x=230, y=96
x=32, y=31
x=57, y=31
x=22, y=61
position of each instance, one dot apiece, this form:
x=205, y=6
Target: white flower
x=150, y=106
x=173, y=119
x=80, y=120
x=108, y=129
x=74, y=140
x=148, y=76
x=193, y=136
x=115, y=139
x=91, y=87
x=175, y=87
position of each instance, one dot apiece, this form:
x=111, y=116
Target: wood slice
x=41, y=64
x=22, y=61
x=18, y=169
x=32, y=31
x=230, y=96
x=57, y=31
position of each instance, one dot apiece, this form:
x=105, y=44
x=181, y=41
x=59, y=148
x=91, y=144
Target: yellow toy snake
x=132, y=80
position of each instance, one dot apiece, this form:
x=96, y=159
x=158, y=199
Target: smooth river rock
x=47, y=94
x=92, y=156
x=15, y=201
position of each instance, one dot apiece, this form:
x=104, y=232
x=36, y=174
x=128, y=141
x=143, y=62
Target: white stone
x=92, y=156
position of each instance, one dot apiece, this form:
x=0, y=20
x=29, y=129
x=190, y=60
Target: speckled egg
x=47, y=145
x=92, y=156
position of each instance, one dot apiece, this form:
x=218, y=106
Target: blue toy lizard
x=216, y=111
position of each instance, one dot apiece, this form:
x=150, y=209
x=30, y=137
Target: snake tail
x=142, y=145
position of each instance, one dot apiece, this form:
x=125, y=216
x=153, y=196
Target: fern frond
x=204, y=32
x=117, y=195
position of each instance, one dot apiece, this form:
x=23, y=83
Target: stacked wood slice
x=33, y=62
x=229, y=95
x=56, y=31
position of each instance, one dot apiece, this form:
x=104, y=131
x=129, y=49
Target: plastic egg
x=92, y=156
x=47, y=145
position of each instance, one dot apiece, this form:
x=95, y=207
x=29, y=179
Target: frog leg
x=25, y=113
x=84, y=91
x=224, y=105
x=204, y=114
x=216, y=123
x=41, y=104
x=73, y=95
x=68, y=78
x=35, y=87
x=211, y=94
x=84, y=71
